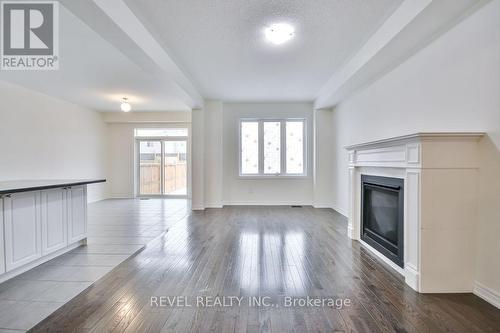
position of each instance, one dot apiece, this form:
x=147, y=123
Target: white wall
x=121, y=145
x=323, y=159
x=265, y=191
x=198, y=159
x=121, y=160
x=213, y=142
x=451, y=85
x=46, y=138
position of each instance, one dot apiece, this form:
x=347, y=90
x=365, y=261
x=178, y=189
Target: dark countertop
x=16, y=186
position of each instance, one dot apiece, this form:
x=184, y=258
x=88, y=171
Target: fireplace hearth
x=382, y=211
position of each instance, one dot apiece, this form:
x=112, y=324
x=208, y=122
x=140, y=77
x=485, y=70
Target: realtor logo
x=29, y=35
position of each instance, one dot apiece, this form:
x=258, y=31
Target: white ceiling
x=167, y=55
x=220, y=44
x=95, y=74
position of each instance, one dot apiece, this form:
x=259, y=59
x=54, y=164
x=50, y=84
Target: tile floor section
x=117, y=230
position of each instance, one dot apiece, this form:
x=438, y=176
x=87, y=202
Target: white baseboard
x=249, y=203
x=489, y=295
x=339, y=210
x=412, y=277
x=322, y=205
x=214, y=205
x=266, y=203
x=96, y=200
x=351, y=234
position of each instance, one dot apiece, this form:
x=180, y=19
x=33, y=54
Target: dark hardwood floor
x=275, y=252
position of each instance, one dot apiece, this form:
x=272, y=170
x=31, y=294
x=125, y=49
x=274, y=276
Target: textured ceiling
x=220, y=45
x=95, y=74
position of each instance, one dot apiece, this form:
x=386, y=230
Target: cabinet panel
x=2, y=245
x=54, y=220
x=22, y=229
x=77, y=212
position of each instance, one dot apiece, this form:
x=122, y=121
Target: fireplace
x=382, y=204
x=438, y=211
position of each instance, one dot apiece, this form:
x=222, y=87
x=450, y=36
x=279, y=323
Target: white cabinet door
x=2, y=245
x=54, y=220
x=77, y=213
x=22, y=229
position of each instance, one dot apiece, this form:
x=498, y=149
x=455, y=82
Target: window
x=249, y=147
x=272, y=147
x=294, y=147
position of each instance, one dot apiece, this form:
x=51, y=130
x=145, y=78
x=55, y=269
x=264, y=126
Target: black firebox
x=382, y=204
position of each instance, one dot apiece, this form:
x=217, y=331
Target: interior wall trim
x=340, y=210
x=268, y=203
x=489, y=295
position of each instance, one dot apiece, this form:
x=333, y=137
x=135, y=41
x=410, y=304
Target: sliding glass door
x=163, y=167
x=175, y=167
x=150, y=162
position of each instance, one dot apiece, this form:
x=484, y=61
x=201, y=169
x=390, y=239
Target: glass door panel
x=175, y=167
x=150, y=167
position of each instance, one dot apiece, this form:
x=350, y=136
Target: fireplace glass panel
x=382, y=208
x=382, y=215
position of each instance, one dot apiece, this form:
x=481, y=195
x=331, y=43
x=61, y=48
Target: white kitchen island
x=40, y=220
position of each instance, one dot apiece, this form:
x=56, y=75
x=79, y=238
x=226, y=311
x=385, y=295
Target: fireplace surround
x=439, y=176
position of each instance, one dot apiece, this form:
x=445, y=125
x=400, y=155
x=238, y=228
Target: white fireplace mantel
x=440, y=204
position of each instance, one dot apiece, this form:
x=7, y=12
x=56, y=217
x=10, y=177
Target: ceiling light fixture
x=279, y=33
x=125, y=106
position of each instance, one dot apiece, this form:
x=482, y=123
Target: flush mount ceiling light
x=125, y=106
x=279, y=33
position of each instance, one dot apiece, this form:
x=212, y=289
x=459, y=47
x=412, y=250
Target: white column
x=352, y=227
x=323, y=159
x=213, y=154
x=412, y=228
x=198, y=160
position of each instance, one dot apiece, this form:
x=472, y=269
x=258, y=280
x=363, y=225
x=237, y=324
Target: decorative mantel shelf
x=440, y=204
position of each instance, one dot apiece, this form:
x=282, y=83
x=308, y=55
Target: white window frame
x=282, y=173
